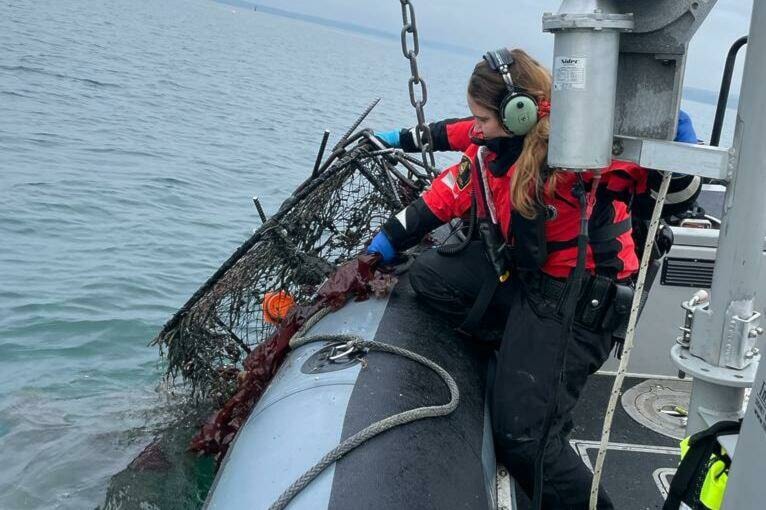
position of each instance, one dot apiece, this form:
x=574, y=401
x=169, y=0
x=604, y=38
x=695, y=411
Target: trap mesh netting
x=327, y=221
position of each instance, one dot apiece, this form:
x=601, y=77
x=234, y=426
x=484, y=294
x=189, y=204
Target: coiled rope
x=354, y=343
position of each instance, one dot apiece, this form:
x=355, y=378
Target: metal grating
x=697, y=273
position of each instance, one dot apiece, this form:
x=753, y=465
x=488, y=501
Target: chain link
x=422, y=131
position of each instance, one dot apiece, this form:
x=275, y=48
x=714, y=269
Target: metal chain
x=422, y=131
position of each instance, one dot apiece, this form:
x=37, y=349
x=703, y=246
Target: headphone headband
x=500, y=61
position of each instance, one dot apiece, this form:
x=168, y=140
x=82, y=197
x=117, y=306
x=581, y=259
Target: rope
x=298, y=338
x=357, y=343
x=629, y=338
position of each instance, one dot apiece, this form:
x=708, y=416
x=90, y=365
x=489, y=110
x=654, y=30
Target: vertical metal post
x=712, y=402
x=745, y=486
x=721, y=356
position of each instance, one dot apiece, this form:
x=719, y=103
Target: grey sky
x=518, y=23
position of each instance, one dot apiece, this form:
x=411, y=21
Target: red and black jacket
x=548, y=240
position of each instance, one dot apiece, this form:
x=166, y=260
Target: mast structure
x=721, y=329
x=744, y=243
x=719, y=351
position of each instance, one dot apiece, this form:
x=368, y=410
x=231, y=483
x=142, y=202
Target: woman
x=528, y=217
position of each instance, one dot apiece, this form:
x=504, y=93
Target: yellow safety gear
x=714, y=486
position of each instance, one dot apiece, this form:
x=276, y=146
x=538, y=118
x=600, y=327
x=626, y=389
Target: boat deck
x=640, y=462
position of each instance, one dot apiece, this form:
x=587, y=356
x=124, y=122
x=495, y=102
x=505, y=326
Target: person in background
x=516, y=271
x=685, y=130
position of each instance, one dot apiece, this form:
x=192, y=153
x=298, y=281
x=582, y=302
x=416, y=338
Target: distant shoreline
x=708, y=97
x=344, y=25
x=689, y=93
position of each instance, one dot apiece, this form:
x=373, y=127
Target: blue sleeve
x=382, y=245
x=391, y=138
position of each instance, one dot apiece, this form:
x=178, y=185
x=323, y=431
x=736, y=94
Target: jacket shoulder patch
x=464, y=173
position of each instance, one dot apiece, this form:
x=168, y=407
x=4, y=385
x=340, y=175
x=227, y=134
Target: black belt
x=603, y=303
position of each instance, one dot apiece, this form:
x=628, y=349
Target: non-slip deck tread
x=630, y=473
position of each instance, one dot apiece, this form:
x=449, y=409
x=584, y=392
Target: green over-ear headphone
x=518, y=110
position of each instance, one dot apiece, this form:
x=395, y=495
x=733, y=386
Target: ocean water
x=133, y=135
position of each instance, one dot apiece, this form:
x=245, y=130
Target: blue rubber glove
x=381, y=244
x=390, y=138
x=685, y=132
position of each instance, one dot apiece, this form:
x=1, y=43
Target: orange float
x=276, y=306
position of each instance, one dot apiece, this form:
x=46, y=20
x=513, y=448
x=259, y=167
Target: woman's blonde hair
x=488, y=89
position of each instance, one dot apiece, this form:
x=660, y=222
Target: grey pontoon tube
x=355, y=343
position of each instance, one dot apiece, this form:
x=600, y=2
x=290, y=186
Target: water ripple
x=35, y=70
